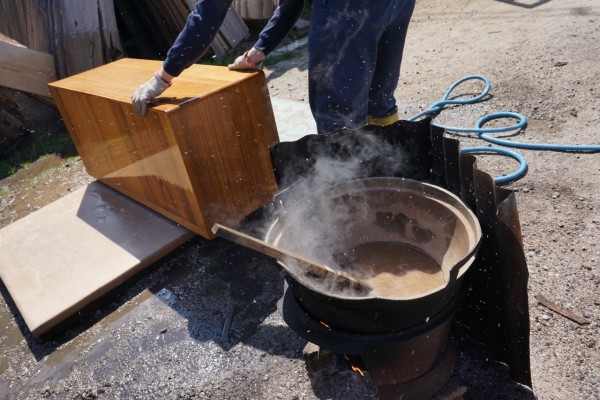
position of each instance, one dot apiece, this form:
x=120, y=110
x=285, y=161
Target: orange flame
x=354, y=367
x=324, y=324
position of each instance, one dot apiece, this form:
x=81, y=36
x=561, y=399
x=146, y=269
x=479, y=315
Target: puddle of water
x=10, y=339
x=47, y=179
x=60, y=363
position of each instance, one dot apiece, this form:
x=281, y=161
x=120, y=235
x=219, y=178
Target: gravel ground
x=202, y=323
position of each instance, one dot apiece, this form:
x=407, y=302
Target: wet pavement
x=200, y=324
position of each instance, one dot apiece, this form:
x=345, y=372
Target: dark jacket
x=204, y=22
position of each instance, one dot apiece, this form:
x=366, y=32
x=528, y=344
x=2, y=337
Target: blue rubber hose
x=484, y=133
x=519, y=173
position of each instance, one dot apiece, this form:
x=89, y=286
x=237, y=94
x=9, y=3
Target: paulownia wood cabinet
x=200, y=156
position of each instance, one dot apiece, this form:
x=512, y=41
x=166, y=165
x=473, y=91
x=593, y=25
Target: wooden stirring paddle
x=317, y=269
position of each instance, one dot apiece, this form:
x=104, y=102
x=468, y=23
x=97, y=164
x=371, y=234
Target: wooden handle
x=317, y=269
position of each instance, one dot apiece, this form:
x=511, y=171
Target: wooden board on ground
x=62, y=257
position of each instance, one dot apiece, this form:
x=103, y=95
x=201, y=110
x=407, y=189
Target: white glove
x=243, y=63
x=146, y=93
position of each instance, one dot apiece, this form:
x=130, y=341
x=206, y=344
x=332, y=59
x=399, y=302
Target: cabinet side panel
x=136, y=156
x=225, y=140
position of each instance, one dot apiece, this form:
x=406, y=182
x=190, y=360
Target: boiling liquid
x=395, y=270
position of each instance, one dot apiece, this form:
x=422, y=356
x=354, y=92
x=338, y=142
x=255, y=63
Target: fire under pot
x=412, y=364
x=410, y=241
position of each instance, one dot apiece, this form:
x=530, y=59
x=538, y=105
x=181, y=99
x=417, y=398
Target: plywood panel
x=64, y=256
x=200, y=156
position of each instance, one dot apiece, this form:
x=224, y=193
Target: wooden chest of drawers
x=200, y=156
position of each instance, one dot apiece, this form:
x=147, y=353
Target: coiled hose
x=485, y=133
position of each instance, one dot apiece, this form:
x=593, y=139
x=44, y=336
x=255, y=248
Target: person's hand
x=146, y=93
x=250, y=60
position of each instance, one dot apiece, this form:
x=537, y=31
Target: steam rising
x=345, y=157
x=319, y=227
x=345, y=208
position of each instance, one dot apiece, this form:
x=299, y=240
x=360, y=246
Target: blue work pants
x=355, y=51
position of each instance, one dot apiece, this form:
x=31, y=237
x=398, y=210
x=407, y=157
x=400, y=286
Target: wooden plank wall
x=85, y=34
x=80, y=34
x=162, y=20
x=255, y=9
x=24, y=69
x=44, y=40
x=231, y=33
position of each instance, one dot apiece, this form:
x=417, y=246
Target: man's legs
x=343, y=54
x=342, y=48
x=382, y=102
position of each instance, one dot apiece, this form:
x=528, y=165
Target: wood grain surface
x=200, y=156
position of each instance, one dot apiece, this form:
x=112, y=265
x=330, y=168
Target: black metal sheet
x=496, y=308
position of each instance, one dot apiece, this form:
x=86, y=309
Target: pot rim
x=454, y=274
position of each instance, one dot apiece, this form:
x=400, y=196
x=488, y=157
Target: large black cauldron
x=327, y=223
